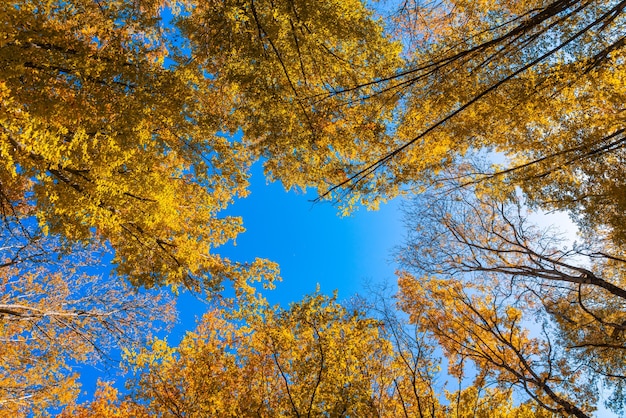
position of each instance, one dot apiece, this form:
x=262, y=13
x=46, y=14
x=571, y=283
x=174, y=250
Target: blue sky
x=311, y=243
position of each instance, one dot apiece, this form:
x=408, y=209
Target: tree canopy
x=538, y=81
x=127, y=128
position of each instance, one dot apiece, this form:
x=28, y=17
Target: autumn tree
x=106, y=403
x=115, y=124
x=56, y=313
x=414, y=370
x=541, y=82
x=420, y=387
x=111, y=145
x=482, y=324
x=316, y=358
x=578, y=288
x=283, y=61
x=483, y=402
x=312, y=359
